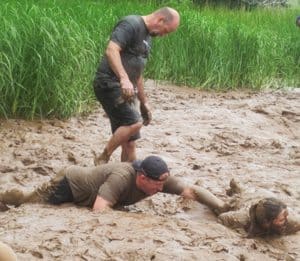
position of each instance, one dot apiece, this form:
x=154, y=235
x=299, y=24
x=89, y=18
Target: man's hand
x=101, y=204
x=146, y=113
x=127, y=89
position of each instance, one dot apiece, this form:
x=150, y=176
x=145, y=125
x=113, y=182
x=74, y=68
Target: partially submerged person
x=111, y=185
x=267, y=216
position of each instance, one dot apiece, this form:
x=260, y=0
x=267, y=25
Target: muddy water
x=206, y=138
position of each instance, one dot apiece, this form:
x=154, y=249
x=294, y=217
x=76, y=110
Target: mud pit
x=206, y=138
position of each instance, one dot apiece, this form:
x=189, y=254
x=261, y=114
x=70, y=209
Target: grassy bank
x=231, y=49
x=50, y=50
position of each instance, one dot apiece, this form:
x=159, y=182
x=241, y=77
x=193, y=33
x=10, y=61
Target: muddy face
x=279, y=223
x=152, y=186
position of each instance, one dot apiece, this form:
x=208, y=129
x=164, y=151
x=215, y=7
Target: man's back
x=108, y=180
x=132, y=36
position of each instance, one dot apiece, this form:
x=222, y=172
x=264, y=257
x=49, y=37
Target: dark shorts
x=120, y=113
x=61, y=194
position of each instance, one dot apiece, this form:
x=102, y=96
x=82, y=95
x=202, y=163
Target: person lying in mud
x=267, y=216
x=112, y=185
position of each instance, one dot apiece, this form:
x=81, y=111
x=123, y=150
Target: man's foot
x=101, y=159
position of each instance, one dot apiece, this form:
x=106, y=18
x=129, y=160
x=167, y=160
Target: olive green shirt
x=114, y=182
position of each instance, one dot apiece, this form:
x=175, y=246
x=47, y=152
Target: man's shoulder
x=121, y=168
x=134, y=20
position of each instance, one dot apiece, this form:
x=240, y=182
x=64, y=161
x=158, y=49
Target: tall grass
x=49, y=51
x=224, y=49
x=43, y=60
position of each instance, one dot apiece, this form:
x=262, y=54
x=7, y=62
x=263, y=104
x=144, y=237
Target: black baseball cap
x=152, y=167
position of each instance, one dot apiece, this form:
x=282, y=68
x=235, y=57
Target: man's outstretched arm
x=205, y=197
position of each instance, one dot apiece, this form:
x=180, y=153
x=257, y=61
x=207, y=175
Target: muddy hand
x=146, y=113
x=127, y=89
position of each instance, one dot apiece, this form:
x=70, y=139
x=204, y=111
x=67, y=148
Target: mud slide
x=206, y=138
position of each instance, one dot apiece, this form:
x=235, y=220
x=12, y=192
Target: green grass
x=224, y=49
x=49, y=51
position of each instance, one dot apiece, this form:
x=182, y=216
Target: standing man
x=119, y=79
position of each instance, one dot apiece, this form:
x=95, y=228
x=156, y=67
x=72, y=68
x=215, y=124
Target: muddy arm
x=234, y=219
x=205, y=197
x=293, y=225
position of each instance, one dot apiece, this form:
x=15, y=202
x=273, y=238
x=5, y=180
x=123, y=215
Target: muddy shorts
x=120, y=113
x=62, y=193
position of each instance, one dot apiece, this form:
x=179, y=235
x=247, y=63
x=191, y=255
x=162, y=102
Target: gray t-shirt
x=132, y=35
x=115, y=182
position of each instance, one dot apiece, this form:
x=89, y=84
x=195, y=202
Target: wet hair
x=265, y=211
x=268, y=209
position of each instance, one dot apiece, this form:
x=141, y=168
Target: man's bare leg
x=128, y=151
x=17, y=197
x=121, y=135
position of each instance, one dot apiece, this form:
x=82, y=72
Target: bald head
x=169, y=14
x=162, y=21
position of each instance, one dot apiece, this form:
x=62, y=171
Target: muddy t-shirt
x=115, y=182
x=133, y=37
x=241, y=219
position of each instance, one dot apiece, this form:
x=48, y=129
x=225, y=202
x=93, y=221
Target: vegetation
x=49, y=51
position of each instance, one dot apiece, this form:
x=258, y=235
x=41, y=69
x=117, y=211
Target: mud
x=206, y=138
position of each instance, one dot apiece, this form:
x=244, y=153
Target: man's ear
x=161, y=20
x=141, y=176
